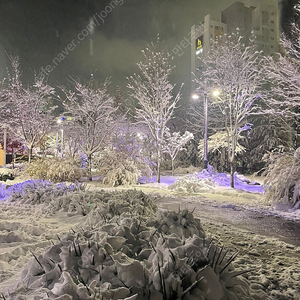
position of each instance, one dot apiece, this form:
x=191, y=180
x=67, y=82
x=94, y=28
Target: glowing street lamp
x=195, y=96
x=216, y=93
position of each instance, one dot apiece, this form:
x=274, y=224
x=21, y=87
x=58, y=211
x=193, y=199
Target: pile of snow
x=193, y=184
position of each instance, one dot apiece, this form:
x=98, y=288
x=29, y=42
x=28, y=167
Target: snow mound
x=193, y=184
x=206, y=181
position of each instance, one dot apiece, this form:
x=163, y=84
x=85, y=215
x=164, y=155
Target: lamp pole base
x=205, y=164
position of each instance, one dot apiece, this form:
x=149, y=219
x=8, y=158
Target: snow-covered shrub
x=117, y=168
x=134, y=258
x=192, y=184
x=103, y=204
x=283, y=179
x=181, y=223
x=125, y=173
x=39, y=191
x=55, y=169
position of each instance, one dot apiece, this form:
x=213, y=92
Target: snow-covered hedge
x=133, y=254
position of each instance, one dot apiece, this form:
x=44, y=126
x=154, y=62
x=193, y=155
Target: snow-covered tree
x=119, y=102
x=71, y=142
x=174, y=143
x=233, y=68
x=93, y=116
x=283, y=73
x=30, y=116
x=153, y=92
x=3, y=97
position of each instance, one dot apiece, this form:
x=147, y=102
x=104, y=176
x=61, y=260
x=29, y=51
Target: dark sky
x=43, y=31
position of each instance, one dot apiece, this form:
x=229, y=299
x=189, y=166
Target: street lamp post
x=59, y=121
x=195, y=96
x=62, y=141
x=205, y=131
x=5, y=145
x=56, y=143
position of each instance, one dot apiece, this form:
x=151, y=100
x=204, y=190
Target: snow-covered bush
x=134, y=256
x=125, y=173
x=192, y=184
x=117, y=168
x=182, y=223
x=102, y=204
x=38, y=191
x=55, y=169
x=283, y=179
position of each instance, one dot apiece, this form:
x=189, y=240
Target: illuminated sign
x=199, y=43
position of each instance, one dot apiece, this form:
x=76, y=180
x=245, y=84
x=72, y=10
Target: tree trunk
x=172, y=167
x=29, y=155
x=158, y=170
x=232, y=170
x=90, y=167
x=13, y=159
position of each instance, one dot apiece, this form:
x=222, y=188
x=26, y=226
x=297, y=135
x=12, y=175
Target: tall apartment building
x=253, y=17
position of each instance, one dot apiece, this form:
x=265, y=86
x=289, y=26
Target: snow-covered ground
x=275, y=265
x=248, y=191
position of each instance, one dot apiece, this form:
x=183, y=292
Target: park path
x=257, y=220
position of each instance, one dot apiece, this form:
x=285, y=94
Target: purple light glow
x=220, y=179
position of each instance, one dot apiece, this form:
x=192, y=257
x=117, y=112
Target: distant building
x=253, y=18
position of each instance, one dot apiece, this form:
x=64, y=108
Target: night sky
x=53, y=33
